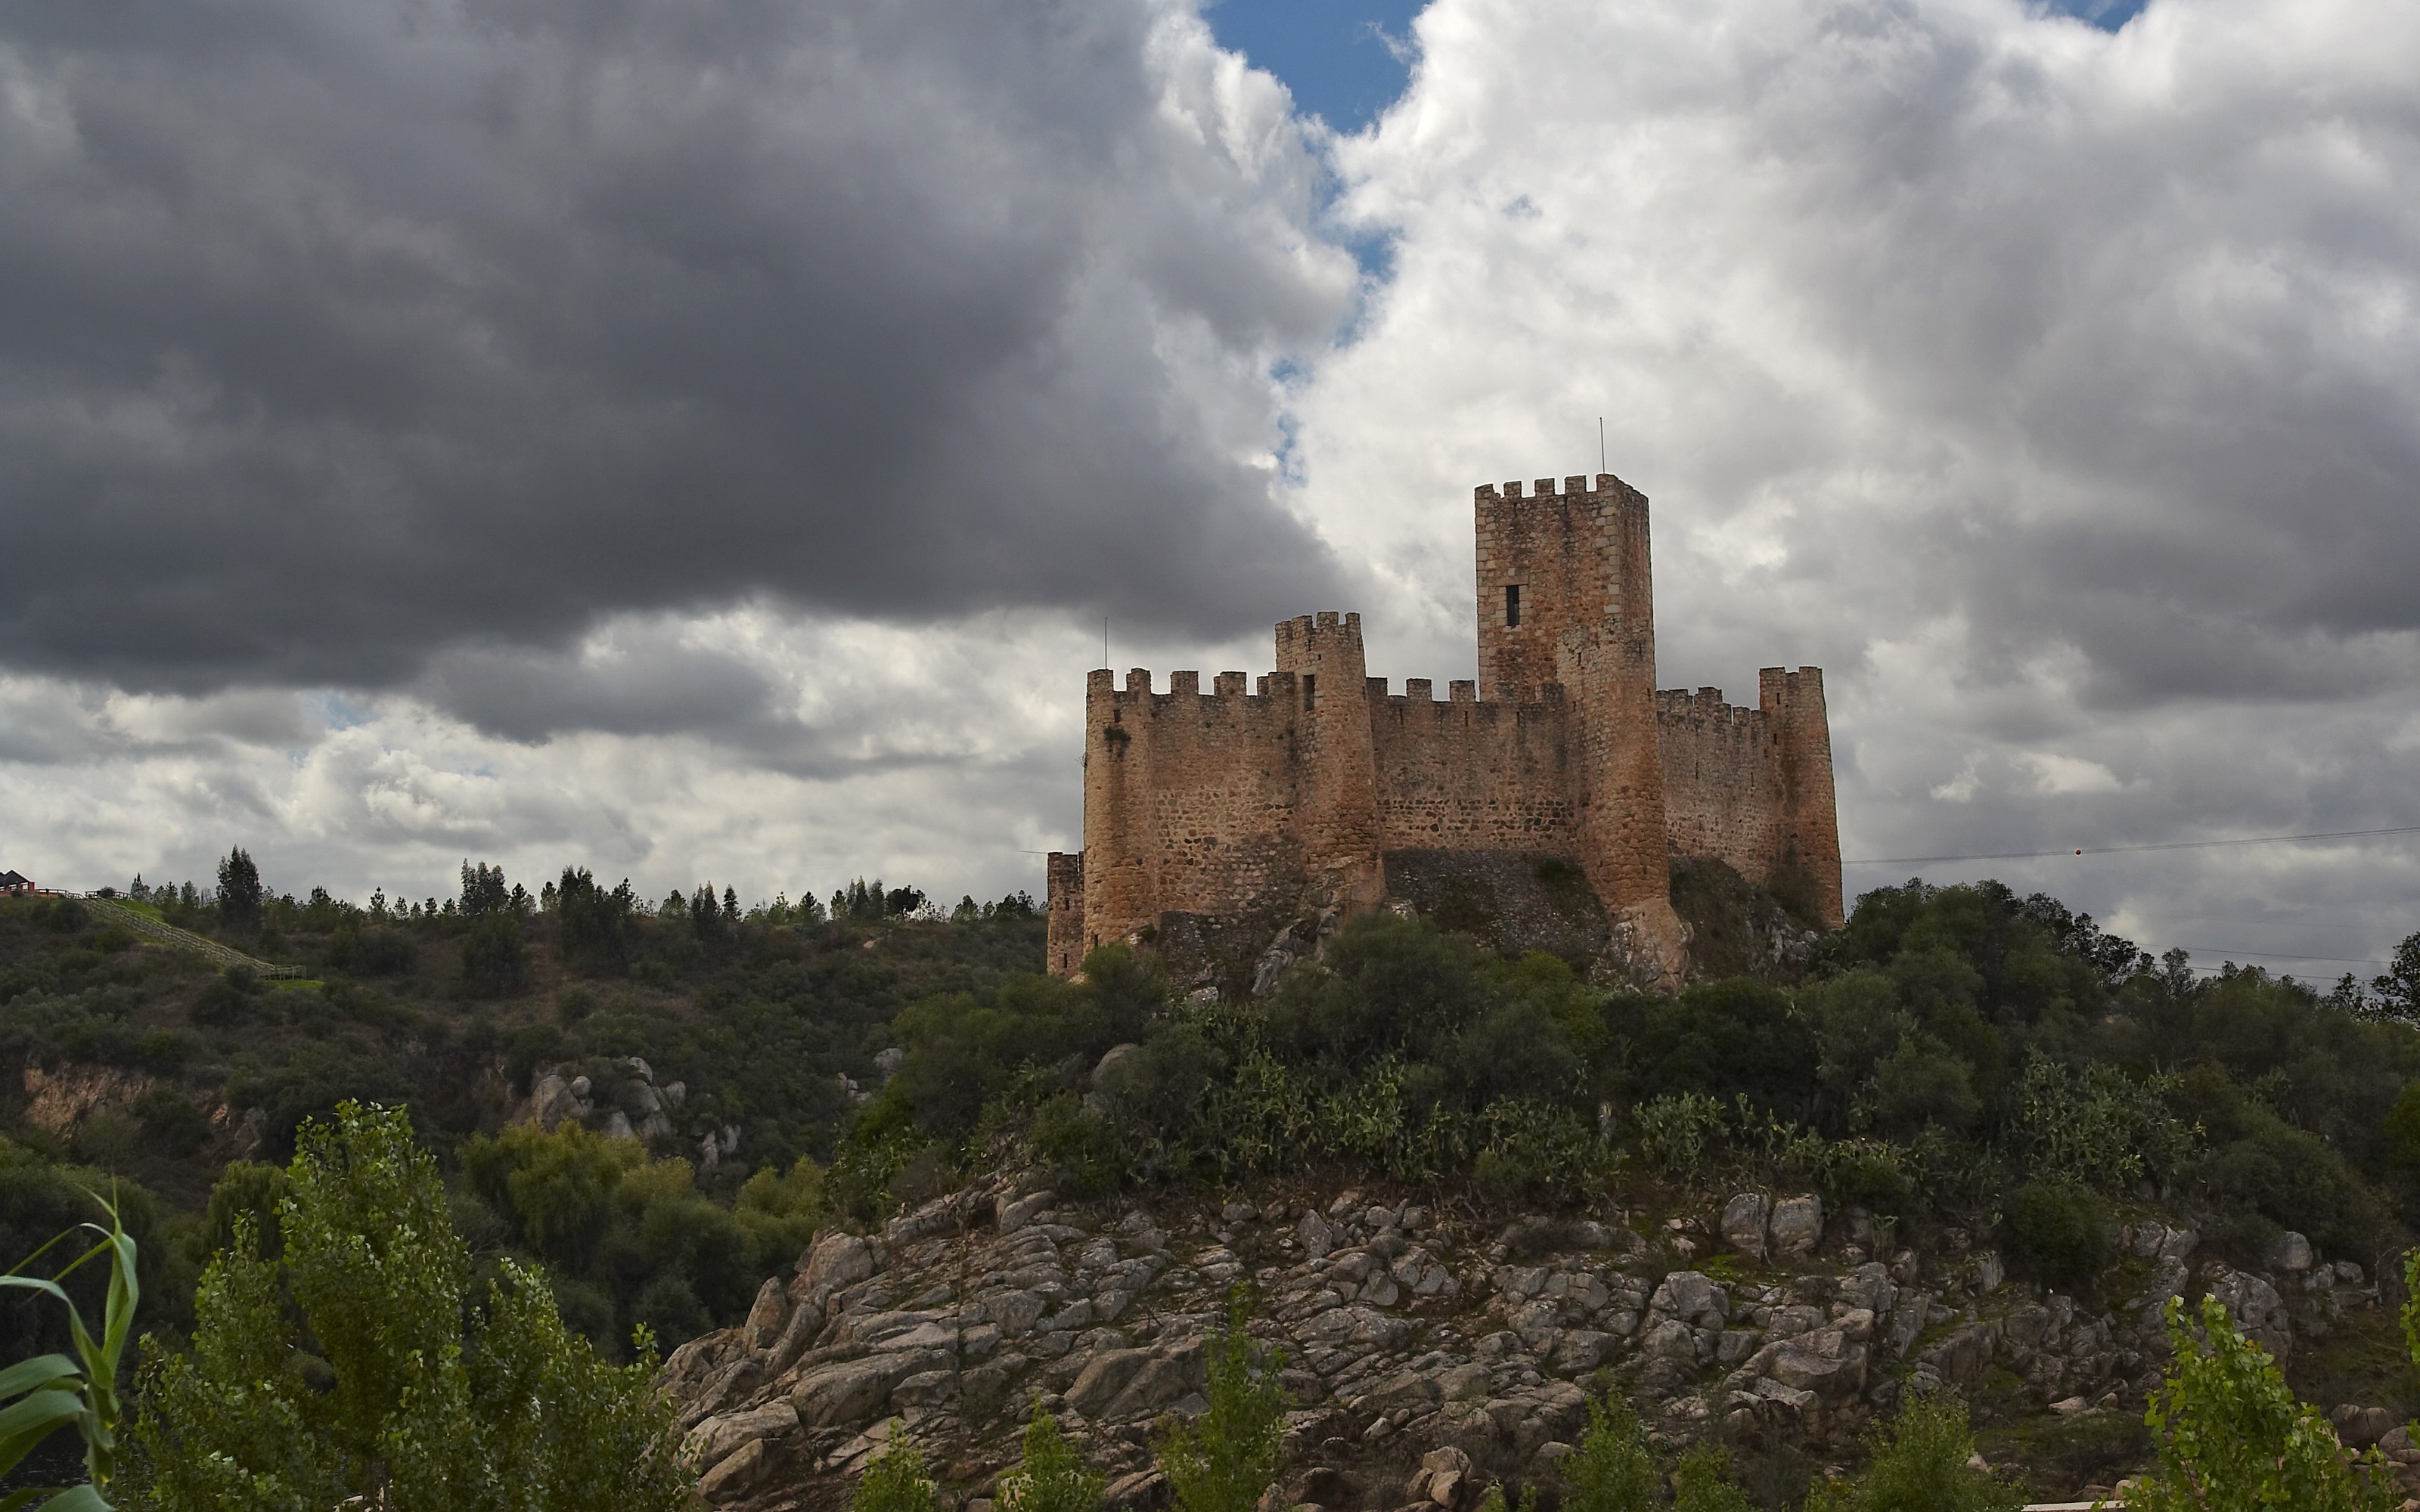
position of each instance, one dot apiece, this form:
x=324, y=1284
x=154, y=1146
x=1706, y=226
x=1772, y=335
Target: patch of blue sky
x=1347, y=60
x=336, y=711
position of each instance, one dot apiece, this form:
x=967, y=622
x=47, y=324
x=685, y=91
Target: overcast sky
x=703, y=440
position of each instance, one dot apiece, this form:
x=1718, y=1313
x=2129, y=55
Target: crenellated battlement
x=1238, y=807
x=1607, y=487
x=1704, y=706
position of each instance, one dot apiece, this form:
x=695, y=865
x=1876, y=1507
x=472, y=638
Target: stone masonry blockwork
x=1242, y=811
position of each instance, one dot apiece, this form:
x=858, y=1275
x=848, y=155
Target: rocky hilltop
x=1429, y=1352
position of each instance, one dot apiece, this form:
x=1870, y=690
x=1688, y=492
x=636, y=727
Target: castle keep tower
x=1214, y=821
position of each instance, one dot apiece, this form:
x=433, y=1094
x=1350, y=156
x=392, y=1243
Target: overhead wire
x=2117, y=850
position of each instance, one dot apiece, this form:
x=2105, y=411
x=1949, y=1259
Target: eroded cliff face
x=1428, y=1353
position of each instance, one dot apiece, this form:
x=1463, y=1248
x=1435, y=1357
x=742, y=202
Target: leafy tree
x=494, y=965
x=1052, y=1476
x=1223, y=1460
x=597, y=926
x=402, y=1407
x=241, y=894
x=2398, y=991
x=1612, y=1469
x=1920, y=1464
x=483, y=890
x=895, y=1481
x=2232, y=1437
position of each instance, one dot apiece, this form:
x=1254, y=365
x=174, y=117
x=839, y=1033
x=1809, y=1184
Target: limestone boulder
x=1796, y=1226
x=1744, y=1221
x=836, y=1261
x=718, y=1437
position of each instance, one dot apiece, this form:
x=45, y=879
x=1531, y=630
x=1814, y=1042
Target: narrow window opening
x=1512, y=605
x=1309, y=686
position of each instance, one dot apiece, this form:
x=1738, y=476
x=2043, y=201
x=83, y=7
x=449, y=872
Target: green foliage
x=2060, y=1231
x=1703, y=1482
x=494, y=965
x=895, y=1481
x=51, y=1391
x=403, y=1405
x=1051, y=1475
x=2095, y=1127
x=656, y=1251
x=1677, y=1133
x=2232, y=1437
x=1612, y=1469
x=1225, y=1459
x=1919, y=1464
x=240, y=893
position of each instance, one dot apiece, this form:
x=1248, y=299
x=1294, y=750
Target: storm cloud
x=700, y=440
x=333, y=336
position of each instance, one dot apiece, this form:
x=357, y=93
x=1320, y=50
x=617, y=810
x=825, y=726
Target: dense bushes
x=1956, y=1051
x=631, y=1240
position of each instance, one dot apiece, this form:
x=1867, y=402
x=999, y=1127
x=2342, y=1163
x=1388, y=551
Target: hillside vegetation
x=1957, y=1059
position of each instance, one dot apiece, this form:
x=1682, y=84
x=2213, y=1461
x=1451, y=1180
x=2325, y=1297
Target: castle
x=1211, y=821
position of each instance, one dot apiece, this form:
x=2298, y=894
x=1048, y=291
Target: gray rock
x=2256, y=1308
x=739, y=1474
x=618, y=1126
x=1316, y=1237
x=768, y=1316
x=1014, y=1213
x=1103, y=1377
x=1869, y=1287
x=1796, y=1226
x=926, y=1388
x=2291, y=1252
x=849, y=1392
x=1692, y=1298
x=1014, y=1312
x=1743, y=1223
x=1582, y=1351
x=1669, y=1340
x=837, y=1260
x=1909, y=1321
x=719, y=1437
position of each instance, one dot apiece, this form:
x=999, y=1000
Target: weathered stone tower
x=1213, y=821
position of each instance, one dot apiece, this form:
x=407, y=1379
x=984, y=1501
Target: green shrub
x=1703, y=1482
x=1225, y=1459
x=1051, y=1475
x=1919, y=1464
x=2060, y=1231
x=895, y=1481
x=1612, y=1469
x=2232, y=1438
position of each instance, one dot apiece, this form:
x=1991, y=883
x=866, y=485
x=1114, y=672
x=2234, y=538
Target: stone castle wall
x=1226, y=812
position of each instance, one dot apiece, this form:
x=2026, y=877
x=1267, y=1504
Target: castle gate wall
x=1722, y=780
x=1465, y=775
x=1197, y=797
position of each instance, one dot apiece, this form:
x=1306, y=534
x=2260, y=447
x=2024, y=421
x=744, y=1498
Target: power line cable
x=2114, y=850
x=2285, y=955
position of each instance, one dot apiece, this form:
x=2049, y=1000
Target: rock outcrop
x=1427, y=1355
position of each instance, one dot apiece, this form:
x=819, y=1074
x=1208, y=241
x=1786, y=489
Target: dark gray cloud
x=332, y=336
